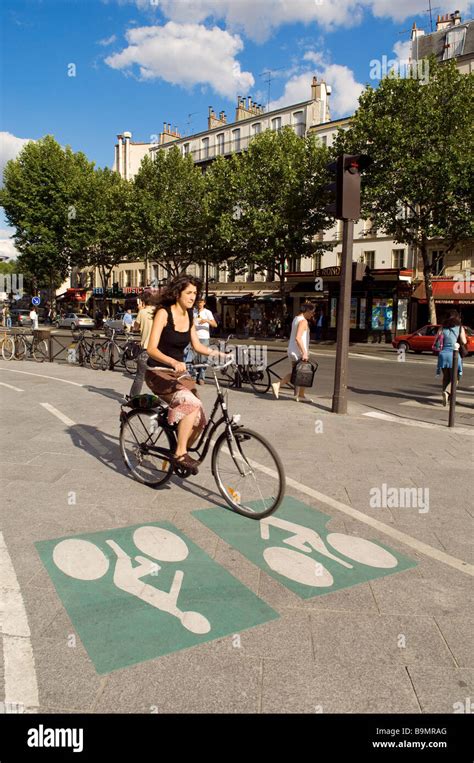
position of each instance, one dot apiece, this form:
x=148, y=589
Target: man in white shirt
x=34, y=318
x=203, y=320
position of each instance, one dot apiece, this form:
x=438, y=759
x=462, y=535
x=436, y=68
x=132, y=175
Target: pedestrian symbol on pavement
x=36, y=301
x=295, y=548
x=140, y=592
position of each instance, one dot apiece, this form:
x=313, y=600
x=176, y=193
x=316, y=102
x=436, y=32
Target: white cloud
x=345, y=94
x=7, y=247
x=108, y=40
x=402, y=50
x=10, y=147
x=187, y=55
x=259, y=18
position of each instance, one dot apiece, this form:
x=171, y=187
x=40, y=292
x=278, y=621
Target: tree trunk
x=428, y=275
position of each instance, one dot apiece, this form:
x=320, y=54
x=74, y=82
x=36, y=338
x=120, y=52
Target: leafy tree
x=419, y=136
x=100, y=234
x=281, y=181
x=38, y=199
x=169, y=215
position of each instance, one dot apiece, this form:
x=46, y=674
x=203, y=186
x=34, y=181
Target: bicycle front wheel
x=259, y=378
x=249, y=473
x=40, y=351
x=8, y=348
x=146, y=446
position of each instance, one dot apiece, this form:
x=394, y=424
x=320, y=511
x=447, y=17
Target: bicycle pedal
x=182, y=472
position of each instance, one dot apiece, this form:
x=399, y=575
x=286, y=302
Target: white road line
x=420, y=424
x=21, y=686
x=87, y=436
x=17, y=389
x=418, y=404
x=43, y=376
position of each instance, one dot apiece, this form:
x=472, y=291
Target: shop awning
x=447, y=291
x=72, y=295
x=231, y=294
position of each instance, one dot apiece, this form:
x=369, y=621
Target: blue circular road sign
x=36, y=301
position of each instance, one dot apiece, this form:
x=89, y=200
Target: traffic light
x=344, y=191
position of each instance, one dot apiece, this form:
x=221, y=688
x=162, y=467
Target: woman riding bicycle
x=173, y=329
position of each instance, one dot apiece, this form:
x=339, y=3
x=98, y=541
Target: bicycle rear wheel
x=20, y=348
x=99, y=357
x=249, y=473
x=259, y=378
x=146, y=445
x=40, y=351
x=8, y=348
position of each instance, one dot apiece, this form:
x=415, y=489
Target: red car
x=422, y=339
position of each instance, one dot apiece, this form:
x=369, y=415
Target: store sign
x=335, y=270
x=98, y=291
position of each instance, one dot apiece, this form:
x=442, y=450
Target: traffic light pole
x=339, y=399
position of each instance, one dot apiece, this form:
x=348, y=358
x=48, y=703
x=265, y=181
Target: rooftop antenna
x=190, y=121
x=270, y=78
x=430, y=11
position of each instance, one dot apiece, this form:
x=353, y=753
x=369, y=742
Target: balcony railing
x=207, y=153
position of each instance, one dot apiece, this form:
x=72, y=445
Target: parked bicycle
x=248, y=471
x=21, y=346
x=110, y=353
x=247, y=368
x=85, y=345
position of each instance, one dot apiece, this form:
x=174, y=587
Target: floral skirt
x=180, y=394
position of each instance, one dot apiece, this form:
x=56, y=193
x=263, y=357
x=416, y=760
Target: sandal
x=186, y=461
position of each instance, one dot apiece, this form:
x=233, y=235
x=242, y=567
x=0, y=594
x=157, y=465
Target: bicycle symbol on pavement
x=83, y=560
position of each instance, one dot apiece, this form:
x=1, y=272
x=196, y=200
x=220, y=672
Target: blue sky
x=139, y=63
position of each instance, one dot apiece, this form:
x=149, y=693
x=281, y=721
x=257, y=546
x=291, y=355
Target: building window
x=231, y=272
x=369, y=259
x=324, y=140
x=185, y=149
x=398, y=258
x=236, y=140
x=454, y=45
x=250, y=273
x=276, y=123
x=437, y=261
x=220, y=143
x=257, y=128
x=298, y=123
x=318, y=257
x=294, y=264
x=205, y=148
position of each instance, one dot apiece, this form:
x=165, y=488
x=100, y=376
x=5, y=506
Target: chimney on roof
x=448, y=20
x=213, y=121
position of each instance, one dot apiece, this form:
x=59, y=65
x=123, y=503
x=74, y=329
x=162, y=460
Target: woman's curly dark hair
x=452, y=319
x=174, y=288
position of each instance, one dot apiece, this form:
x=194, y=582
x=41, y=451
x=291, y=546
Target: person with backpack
x=298, y=349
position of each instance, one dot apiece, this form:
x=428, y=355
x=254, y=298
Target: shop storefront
x=72, y=301
x=449, y=294
x=119, y=300
x=256, y=314
x=379, y=302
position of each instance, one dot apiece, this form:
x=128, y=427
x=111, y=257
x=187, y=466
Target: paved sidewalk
x=396, y=643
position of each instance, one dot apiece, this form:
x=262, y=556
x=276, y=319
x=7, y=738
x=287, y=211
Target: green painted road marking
x=295, y=548
x=137, y=593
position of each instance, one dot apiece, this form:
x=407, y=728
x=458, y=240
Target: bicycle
x=245, y=466
x=246, y=370
x=85, y=345
x=110, y=354
x=30, y=347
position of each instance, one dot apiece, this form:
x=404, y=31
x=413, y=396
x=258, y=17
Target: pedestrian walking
x=298, y=349
x=8, y=318
x=203, y=320
x=127, y=321
x=143, y=324
x=34, y=318
x=449, y=335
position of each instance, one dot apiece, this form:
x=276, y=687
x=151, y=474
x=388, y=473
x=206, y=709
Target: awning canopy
x=447, y=291
x=72, y=295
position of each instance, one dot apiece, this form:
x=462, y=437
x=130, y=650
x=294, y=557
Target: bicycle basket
x=144, y=402
x=303, y=374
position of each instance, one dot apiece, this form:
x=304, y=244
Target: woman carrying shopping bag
x=298, y=349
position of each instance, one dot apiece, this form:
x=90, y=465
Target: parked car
x=75, y=320
x=20, y=317
x=117, y=322
x=422, y=339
